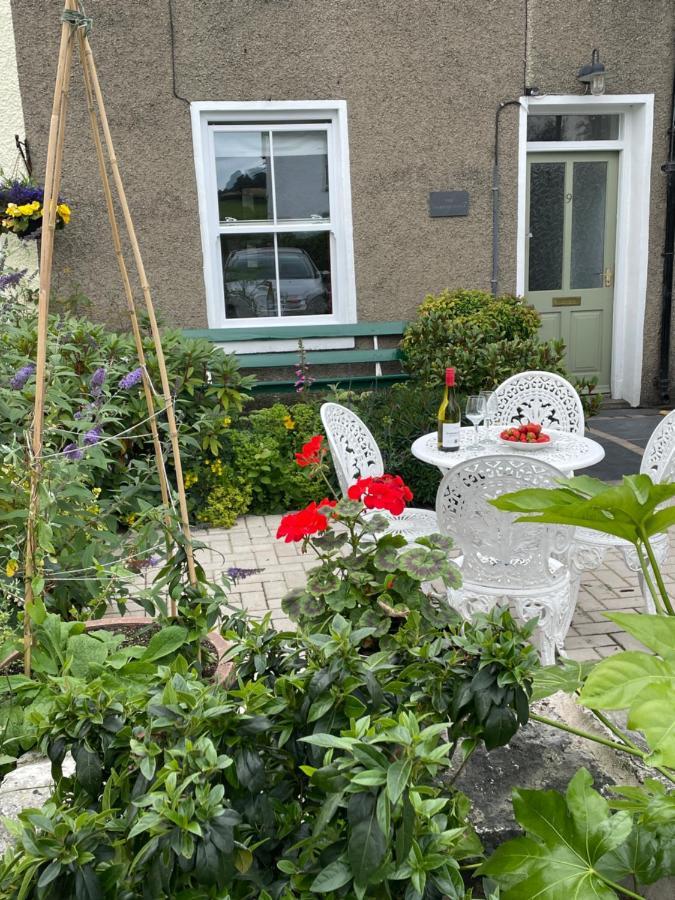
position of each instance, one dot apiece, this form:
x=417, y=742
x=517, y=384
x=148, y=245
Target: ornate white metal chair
x=590, y=547
x=504, y=560
x=356, y=455
x=540, y=397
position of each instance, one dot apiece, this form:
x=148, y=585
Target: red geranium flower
x=382, y=492
x=296, y=526
x=312, y=452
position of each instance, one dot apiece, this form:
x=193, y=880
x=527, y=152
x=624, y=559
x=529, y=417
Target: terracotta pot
x=224, y=668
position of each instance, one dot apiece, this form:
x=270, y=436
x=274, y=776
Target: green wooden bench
x=374, y=355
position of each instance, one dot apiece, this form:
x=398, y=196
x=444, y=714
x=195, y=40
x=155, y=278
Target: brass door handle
x=608, y=278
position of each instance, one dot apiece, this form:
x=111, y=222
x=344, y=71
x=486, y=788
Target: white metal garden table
x=567, y=452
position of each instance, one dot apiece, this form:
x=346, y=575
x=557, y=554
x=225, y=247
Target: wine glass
x=490, y=411
x=475, y=413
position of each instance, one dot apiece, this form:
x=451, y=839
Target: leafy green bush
x=485, y=338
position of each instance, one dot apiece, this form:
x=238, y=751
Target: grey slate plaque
x=448, y=203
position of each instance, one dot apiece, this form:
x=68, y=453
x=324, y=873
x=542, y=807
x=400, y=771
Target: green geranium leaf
x=386, y=558
x=291, y=605
x=376, y=522
x=423, y=564
x=348, y=509
x=567, y=838
x=312, y=607
x=376, y=620
x=322, y=580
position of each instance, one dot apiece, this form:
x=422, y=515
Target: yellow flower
x=289, y=423
x=96, y=491
x=27, y=209
x=64, y=211
x=11, y=568
x=12, y=210
x=227, y=421
x=190, y=479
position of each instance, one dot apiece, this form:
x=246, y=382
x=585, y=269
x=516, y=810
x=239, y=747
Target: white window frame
x=634, y=147
x=285, y=115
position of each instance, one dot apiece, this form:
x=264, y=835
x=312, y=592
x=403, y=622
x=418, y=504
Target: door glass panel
x=301, y=174
x=573, y=128
x=249, y=275
x=304, y=273
x=242, y=166
x=547, y=215
x=589, y=197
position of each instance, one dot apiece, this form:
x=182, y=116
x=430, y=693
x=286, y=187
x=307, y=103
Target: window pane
x=249, y=275
x=573, y=128
x=242, y=166
x=304, y=273
x=589, y=195
x=301, y=174
x=547, y=216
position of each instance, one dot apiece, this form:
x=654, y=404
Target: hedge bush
x=485, y=338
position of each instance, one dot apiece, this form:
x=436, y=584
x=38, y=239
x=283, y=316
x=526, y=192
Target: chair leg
x=554, y=611
x=469, y=604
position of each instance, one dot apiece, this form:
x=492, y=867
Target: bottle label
x=451, y=435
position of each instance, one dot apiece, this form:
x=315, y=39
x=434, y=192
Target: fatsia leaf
x=563, y=852
x=618, y=680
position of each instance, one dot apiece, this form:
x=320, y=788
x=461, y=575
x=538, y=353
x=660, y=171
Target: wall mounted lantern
x=593, y=75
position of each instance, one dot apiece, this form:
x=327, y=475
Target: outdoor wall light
x=593, y=75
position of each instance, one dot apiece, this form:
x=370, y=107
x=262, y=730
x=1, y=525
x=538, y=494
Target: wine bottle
x=449, y=416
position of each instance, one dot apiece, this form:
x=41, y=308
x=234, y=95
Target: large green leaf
x=398, y=775
x=616, y=682
x=366, y=848
x=165, y=642
x=655, y=632
x=654, y=714
x=334, y=876
x=568, y=836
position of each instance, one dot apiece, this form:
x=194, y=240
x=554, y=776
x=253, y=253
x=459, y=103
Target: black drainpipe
x=494, y=281
x=668, y=249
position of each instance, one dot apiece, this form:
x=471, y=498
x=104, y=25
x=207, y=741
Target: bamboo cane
x=88, y=61
x=124, y=273
x=50, y=200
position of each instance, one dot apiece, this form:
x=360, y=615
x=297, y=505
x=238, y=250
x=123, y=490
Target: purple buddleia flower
x=21, y=377
x=93, y=436
x=73, y=452
x=131, y=379
x=11, y=279
x=97, y=379
x=236, y=574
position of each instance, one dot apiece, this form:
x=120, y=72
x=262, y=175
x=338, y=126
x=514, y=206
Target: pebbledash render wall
x=422, y=80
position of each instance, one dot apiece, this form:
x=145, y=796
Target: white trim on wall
x=632, y=233
x=206, y=113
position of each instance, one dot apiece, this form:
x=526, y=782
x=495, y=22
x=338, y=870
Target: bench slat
x=284, y=332
x=317, y=358
x=286, y=387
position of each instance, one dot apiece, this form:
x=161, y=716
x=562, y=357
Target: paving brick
x=588, y=640
x=586, y=628
x=609, y=650
x=582, y=653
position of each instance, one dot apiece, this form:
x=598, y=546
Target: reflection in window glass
x=242, y=166
x=572, y=128
x=547, y=216
x=589, y=194
x=305, y=273
x=301, y=174
x=249, y=275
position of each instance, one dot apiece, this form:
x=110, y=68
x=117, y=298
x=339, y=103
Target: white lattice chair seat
x=356, y=455
x=504, y=560
x=590, y=547
x=540, y=397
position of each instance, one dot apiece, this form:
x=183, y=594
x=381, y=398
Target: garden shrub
x=486, y=338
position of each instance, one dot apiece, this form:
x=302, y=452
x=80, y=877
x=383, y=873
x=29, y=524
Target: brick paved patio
x=251, y=544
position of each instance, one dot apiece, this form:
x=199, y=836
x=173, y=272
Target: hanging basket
x=22, y=209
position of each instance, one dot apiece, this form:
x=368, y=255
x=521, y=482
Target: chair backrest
x=658, y=460
x=540, y=397
x=353, y=448
x=497, y=550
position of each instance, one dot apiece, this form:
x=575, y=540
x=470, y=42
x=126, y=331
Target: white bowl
x=521, y=445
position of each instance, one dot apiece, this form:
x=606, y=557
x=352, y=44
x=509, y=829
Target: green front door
x=569, y=265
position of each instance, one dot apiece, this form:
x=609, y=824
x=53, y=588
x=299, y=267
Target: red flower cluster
x=310, y=520
x=312, y=452
x=382, y=492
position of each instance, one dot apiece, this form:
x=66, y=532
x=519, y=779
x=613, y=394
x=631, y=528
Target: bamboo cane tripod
x=75, y=30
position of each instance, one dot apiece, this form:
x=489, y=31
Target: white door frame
x=632, y=228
